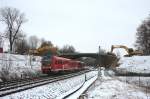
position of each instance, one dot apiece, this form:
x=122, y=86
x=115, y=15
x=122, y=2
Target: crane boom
x=130, y=51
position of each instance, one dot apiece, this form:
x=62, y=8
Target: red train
x=57, y=64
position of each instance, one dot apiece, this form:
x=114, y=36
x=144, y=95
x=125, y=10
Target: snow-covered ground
x=77, y=94
x=136, y=64
x=104, y=88
x=139, y=81
x=111, y=88
x=123, y=87
x=56, y=90
x=15, y=66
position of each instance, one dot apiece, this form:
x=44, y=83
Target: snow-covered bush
x=19, y=66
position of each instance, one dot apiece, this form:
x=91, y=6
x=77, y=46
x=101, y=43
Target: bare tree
x=13, y=20
x=21, y=45
x=143, y=37
x=33, y=42
x=1, y=41
x=46, y=43
x=67, y=49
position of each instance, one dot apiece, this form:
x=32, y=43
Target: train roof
x=62, y=58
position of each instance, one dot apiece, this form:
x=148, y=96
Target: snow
x=137, y=64
x=123, y=87
x=104, y=87
x=84, y=87
x=55, y=90
x=19, y=65
x=111, y=88
x=22, y=61
x=139, y=81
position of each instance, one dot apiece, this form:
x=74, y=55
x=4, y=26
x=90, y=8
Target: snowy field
x=135, y=64
x=139, y=81
x=111, y=88
x=114, y=87
x=16, y=66
x=56, y=90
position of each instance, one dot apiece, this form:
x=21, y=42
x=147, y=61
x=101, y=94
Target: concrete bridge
x=78, y=55
x=101, y=59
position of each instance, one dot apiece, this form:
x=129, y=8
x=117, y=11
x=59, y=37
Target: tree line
x=18, y=41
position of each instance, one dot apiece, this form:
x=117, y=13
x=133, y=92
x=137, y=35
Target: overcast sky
x=85, y=24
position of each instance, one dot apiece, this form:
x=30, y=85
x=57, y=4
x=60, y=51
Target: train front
x=46, y=64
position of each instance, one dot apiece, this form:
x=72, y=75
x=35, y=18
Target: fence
x=137, y=77
x=17, y=66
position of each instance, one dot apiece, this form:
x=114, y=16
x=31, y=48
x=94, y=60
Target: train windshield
x=46, y=60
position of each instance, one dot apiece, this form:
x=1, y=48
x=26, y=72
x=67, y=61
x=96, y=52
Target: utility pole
x=99, y=50
x=99, y=66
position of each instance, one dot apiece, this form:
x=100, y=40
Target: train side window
x=59, y=62
x=65, y=62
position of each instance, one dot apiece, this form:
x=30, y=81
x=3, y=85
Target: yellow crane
x=130, y=51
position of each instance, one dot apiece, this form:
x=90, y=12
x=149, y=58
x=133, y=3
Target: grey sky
x=85, y=24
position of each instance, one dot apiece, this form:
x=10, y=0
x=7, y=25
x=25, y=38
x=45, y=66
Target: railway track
x=82, y=89
x=21, y=85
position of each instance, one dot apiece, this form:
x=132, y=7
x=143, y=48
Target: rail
x=24, y=85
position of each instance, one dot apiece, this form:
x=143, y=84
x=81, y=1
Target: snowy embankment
x=139, y=81
x=87, y=84
x=17, y=66
x=55, y=90
x=138, y=66
x=135, y=64
x=107, y=87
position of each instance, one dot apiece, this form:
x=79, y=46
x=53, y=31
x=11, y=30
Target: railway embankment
x=54, y=90
x=133, y=66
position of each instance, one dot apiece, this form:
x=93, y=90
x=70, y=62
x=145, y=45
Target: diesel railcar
x=58, y=64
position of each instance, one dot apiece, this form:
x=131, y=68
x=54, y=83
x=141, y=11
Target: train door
x=57, y=65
